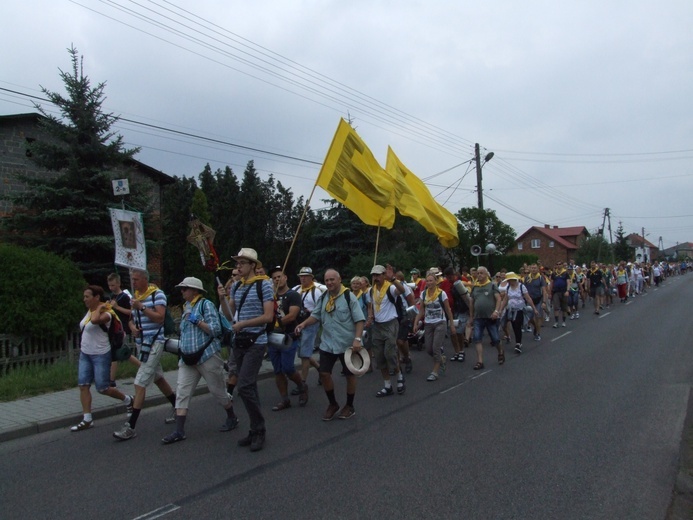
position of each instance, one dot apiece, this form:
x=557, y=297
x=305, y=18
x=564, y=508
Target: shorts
x=307, y=340
x=385, y=345
x=559, y=301
x=405, y=327
x=462, y=320
x=328, y=361
x=94, y=368
x=151, y=370
x=283, y=360
x=596, y=291
x=490, y=325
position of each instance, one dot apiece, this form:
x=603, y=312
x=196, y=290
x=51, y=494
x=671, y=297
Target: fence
x=19, y=351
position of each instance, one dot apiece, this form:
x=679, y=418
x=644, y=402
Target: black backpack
x=458, y=304
x=393, y=301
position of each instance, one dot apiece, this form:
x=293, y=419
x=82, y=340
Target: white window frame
x=551, y=243
x=536, y=243
x=519, y=246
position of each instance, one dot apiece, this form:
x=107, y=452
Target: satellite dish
x=475, y=250
x=490, y=249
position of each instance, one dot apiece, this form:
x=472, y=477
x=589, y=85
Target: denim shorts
x=94, y=368
x=283, y=360
x=308, y=337
x=486, y=323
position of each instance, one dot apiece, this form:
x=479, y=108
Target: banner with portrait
x=130, y=249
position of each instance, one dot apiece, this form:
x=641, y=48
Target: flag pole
x=377, y=241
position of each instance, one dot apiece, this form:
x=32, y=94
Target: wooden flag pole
x=377, y=241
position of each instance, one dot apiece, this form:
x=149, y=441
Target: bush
x=40, y=293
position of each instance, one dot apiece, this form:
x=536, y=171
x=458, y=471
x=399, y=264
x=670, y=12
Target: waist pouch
x=245, y=339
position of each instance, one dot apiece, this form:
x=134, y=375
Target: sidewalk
x=42, y=413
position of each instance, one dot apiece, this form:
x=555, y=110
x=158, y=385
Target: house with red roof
x=551, y=243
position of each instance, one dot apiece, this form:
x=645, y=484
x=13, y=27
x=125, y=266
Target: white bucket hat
x=192, y=283
x=247, y=253
x=359, y=362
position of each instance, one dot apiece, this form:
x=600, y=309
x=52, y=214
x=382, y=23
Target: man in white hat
x=251, y=308
x=382, y=315
x=200, y=349
x=342, y=321
x=310, y=292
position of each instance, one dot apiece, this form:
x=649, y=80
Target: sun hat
x=378, y=269
x=247, y=253
x=306, y=271
x=414, y=271
x=511, y=276
x=192, y=283
x=359, y=362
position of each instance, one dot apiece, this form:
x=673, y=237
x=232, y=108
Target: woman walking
x=513, y=303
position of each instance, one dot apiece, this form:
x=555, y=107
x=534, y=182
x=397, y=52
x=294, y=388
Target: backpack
x=116, y=337
x=169, y=322
x=347, y=297
x=393, y=301
x=258, y=285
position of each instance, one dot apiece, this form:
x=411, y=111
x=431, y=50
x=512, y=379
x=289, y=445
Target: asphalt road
x=585, y=424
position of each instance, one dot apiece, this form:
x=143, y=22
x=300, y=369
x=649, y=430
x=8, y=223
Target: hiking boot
x=330, y=412
x=125, y=433
x=247, y=441
x=347, y=412
x=258, y=441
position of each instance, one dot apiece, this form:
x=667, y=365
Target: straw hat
x=247, y=253
x=511, y=276
x=192, y=283
x=359, y=362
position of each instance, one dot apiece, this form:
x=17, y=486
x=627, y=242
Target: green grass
x=43, y=379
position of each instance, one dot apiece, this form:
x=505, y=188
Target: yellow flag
x=353, y=176
x=413, y=199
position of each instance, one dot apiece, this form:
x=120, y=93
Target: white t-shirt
x=94, y=338
x=434, y=311
x=310, y=297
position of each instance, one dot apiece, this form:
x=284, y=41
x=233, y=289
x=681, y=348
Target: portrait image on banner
x=128, y=231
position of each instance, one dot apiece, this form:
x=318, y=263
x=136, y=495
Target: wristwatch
x=357, y=339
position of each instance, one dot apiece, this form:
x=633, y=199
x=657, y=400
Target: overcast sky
x=586, y=105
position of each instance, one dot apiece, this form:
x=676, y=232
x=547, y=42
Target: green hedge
x=40, y=293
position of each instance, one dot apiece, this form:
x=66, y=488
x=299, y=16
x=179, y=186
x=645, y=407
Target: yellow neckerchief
x=592, y=271
x=357, y=294
x=254, y=279
x=302, y=290
x=621, y=272
x=433, y=298
x=195, y=300
x=559, y=272
x=151, y=289
x=477, y=284
x=109, y=310
x=329, y=306
x=378, y=295
x=532, y=277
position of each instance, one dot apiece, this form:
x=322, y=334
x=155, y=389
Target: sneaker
x=547, y=319
x=125, y=433
x=332, y=411
x=537, y=337
x=247, y=441
x=171, y=417
x=432, y=377
x=563, y=324
x=231, y=423
x=258, y=441
x=577, y=315
x=572, y=316
x=173, y=437
x=129, y=407
x=518, y=348
x=347, y=412
x=83, y=425
x=555, y=325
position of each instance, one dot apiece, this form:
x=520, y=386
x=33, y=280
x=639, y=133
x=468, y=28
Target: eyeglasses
x=242, y=262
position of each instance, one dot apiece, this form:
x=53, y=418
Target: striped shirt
x=252, y=307
x=151, y=331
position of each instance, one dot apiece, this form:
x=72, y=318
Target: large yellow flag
x=353, y=176
x=413, y=199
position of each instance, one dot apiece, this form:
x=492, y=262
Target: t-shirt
x=560, y=281
x=94, y=339
x=123, y=300
x=309, y=297
x=596, y=278
x=287, y=300
x=434, y=310
x=383, y=309
x=535, y=286
x=484, y=300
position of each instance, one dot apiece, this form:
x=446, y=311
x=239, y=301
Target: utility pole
x=479, y=189
x=644, y=256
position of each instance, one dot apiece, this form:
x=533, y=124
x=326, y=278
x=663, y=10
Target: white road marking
x=561, y=336
x=605, y=314
x=158, y=513
x=467, y=381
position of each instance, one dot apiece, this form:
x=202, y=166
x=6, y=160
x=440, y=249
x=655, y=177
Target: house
x=680, y=251
x=17, y=130
x=550, y=244
x=643, y=249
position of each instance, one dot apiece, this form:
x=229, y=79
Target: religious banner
x=130, y=249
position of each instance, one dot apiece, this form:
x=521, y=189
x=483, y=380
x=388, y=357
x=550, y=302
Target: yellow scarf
x=301, y=289
x=378, y=295
x=329, y=306
x=533, y=277
x=255, y=279
x=108, y=309
x=433, y=298
x=592, y=271
x=195, y=300
x=477, y=284
x=150, y=290
x=559, y=272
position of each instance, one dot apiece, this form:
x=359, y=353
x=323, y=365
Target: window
x=550, y=243
x=536, y=243
x=519, y=246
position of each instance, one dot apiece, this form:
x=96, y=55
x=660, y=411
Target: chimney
x=555, y=227
x=547, y=226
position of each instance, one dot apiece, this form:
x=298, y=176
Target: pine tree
x=67, y=213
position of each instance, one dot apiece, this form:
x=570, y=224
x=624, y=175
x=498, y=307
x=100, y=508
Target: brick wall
x=547, y=255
